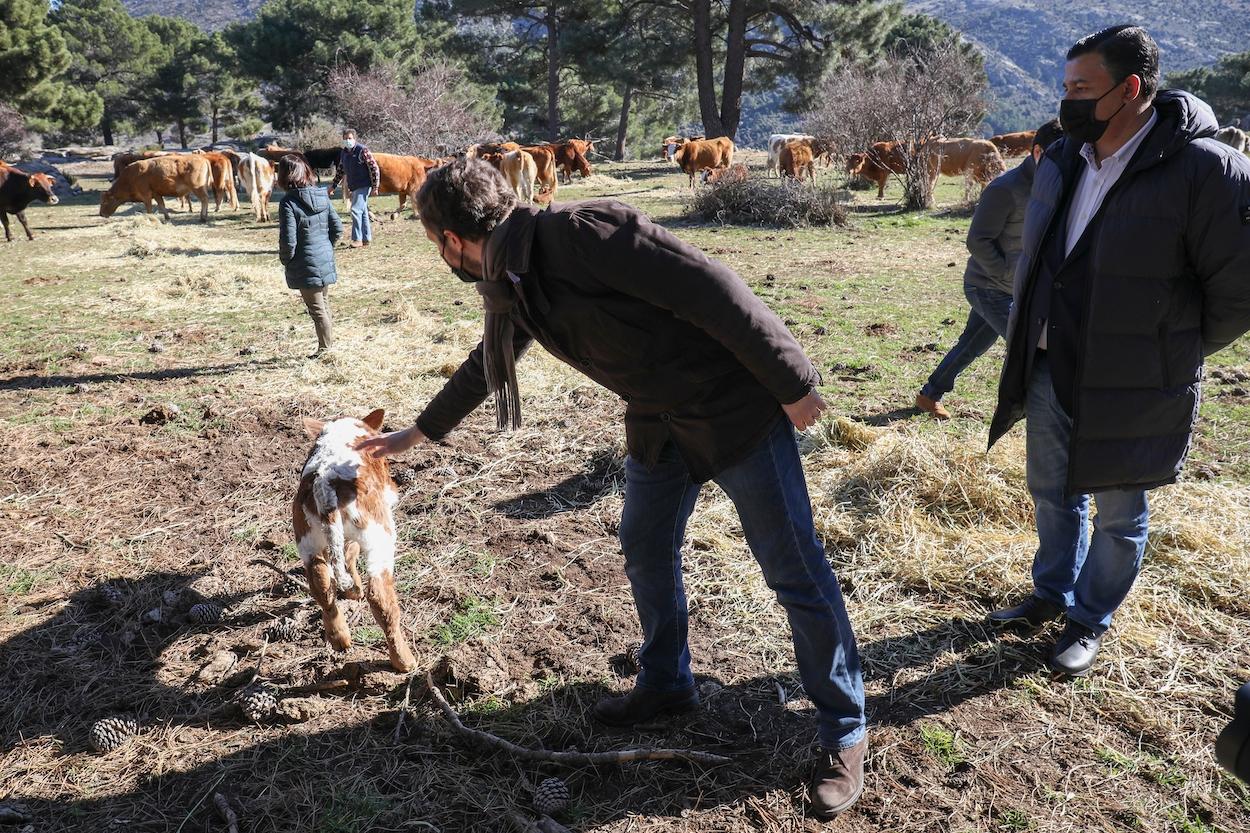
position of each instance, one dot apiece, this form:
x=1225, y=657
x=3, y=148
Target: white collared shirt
x=1096, y=181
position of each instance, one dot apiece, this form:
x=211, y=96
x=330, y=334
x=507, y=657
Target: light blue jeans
x=360, y=215
x=1089, y=576
x=987, y=322
x=770, y=493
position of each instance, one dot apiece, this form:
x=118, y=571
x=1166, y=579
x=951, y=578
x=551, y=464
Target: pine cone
x=633, y=656
x=552, y=797
x=204, y=613
x=108, y=733
x=283, y=630
x=257, y=702
x=111, y=595
x=403, y=477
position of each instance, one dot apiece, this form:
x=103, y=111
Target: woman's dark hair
x=293, y=172
x=467, y=197
x=1125, y=50
x=1048, y=134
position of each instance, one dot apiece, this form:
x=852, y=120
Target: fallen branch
x=403, y=709
x=566, y=758
x=303, y=585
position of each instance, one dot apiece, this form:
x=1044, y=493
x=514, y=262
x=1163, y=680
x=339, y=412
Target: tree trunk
x=216, y=110
x=160, y=136
x=106, y=126
x=623, y=127
x=182, y=133
x=701, y=17
x=553, y=75
x=735, y=68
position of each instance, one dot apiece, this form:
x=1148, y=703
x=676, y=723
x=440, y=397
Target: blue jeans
x=1089, y=576
x=770, y=493
x=360, y=215
x=987, y=322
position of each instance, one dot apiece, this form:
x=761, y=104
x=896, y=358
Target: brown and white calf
x=343, y=510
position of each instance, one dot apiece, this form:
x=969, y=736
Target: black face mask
x=1076, y=117
x=459, y=271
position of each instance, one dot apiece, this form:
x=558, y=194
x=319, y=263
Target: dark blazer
x=997, y=223
x=1168, y=282
x=699, y=359
x=308, y=228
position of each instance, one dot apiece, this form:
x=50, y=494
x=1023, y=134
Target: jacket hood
x=1182, y=119
x=508, y=247
x=311, y=199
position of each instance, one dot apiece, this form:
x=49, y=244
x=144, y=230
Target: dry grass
x=511, y=577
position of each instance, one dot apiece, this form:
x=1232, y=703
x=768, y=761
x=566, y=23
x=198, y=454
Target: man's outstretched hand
x=806, y=411
x=388, y=445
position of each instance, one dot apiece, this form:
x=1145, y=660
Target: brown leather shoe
x=356, y=244
x=932, y=406
x=642, y=704
x=838, y=781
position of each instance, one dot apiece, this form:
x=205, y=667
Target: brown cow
x=402, y=175
x=796, y=159
x=571, y=156
x=545, y=166
x=976, y=160
x=121, y=160
x=705, y=155
x=482, y=148
x=223, y=178
x=668, y=150
x=876, y=164
x=154, y=179
x=273, y=153
x=736, y=172
x=1014, y=144
x=18, y=189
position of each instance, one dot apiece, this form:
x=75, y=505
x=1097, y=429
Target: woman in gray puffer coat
x=308, y=228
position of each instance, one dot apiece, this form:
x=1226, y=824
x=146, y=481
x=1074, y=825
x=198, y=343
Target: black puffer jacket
x=308, y=229
x=1168, y=283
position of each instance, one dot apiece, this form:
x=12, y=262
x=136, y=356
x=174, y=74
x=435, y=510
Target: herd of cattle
x=532, y=171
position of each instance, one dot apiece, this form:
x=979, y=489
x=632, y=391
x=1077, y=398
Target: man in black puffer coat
x=1135, y=266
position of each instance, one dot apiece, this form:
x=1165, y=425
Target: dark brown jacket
x=696, y=355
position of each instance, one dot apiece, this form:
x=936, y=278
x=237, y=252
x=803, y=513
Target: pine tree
x=33, y=58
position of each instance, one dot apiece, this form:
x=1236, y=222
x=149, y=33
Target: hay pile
x=769, y=202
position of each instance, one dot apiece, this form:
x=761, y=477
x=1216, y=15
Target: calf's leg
x=21, y=215
x=321, y=586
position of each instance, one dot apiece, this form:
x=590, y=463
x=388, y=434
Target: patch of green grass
x=942, y=744
x=1016, y=821
x=472, y=617
x=18, y=581
x=290, y=552
x=368, y=635
x=1186, y=823
x=1117, y=762
x=351, y=813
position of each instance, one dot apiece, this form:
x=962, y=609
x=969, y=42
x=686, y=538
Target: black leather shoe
x=1033, y=612
x=1076, y=650
x=642, y=704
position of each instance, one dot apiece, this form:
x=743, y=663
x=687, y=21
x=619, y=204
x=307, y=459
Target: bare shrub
x=13, y=135
x=758, y=201
x=433, y=113
x=318, y=132
x=913, y=96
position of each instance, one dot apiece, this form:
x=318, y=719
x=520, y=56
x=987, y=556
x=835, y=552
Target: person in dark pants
x=360, y=169
x=715, y=386
x=994, y=245
x=308, y=228
x=1135, y=265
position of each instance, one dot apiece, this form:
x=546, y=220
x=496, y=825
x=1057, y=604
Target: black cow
x=322, y=159
x=19, y=189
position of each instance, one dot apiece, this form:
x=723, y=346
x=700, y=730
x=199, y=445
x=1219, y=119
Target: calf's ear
x=374, y=419
x=313, y=427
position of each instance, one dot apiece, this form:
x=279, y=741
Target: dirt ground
x=152, y=383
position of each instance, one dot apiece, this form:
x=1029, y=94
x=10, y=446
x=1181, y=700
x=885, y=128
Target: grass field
x=152, y=381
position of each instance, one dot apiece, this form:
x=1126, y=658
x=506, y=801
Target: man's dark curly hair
x=468, y=197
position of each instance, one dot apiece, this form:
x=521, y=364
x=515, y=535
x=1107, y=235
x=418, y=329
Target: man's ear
x=312, y=427
x=374, y=419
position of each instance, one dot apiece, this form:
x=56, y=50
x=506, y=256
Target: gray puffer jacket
x=1169, y=283
x=308, y=229
x=998, y=222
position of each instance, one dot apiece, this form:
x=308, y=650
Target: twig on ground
x=403, y=708
x=567, y=758
x=303, y=585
